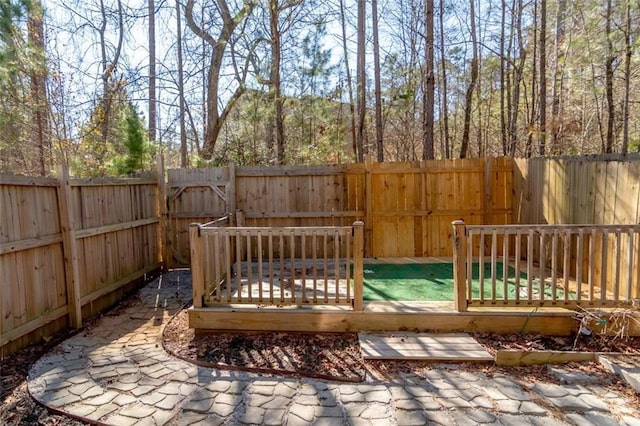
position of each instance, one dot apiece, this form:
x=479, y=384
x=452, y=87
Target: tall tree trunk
x=542, y=133
x=556, y=119
x=108, y=68
x=627, y=78
x=378, y=89
x=503, y=88
x=345, y=57
x=445, y=101
x=429, y=90
x=517, y=80
x=275, y=87
x=608, y=74
x=528, y=150
x=152, y=71
x=361, y=83
x=183, y=128
x=38, y=77
x=468, y=99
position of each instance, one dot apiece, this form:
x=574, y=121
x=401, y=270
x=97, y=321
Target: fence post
x=163, y=255
x=69, y=247
x=197, y=264
x=358, y=253
x=459, y=264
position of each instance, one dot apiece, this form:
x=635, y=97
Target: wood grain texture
x=458, y=347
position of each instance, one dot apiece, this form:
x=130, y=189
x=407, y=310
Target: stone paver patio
x=117, y=373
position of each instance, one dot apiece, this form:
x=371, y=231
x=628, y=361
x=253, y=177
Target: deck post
x=459, y=264
x=239, y=218
x=197, y=264
x=358, y=254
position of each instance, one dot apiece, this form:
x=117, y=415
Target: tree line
x=104, y=85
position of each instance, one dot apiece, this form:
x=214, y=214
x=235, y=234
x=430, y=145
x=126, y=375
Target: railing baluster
x=270, y=248
x=481, y=266
x=238, y=242
x=579, y=260
x=530, y=266
x=347, y=265
x=494, y=255
x=260, y=271
x=249, y=268
x=469, y=265
x=292, y=261
x=566, y=265
x=505, y=265
x=616, y=282
x=604, y=270
x=315, y=268
x=325, y=262
x=554, y=266
x=518, y=243
x=229, y=281
x=281, y=251
x=592, y=264
x=217, y=271
x=336, y=261
x=542, y=263
x=630, y=252
x=303, y=248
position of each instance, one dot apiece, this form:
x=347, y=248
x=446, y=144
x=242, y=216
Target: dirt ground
x=336, y=356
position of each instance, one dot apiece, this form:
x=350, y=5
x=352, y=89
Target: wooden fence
x=69, y=248
x=597, y=190
x=276, y=265
x=407, y=208
x=547, y=265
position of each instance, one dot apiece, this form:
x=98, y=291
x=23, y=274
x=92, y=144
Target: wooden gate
x=195, y=195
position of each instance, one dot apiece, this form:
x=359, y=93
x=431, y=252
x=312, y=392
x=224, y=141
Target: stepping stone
x=437, y=347
x=625, y=366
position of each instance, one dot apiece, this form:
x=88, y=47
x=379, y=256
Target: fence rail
x=276, y=265
x=546, y=265
x=69, y=248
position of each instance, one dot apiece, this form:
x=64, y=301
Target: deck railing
x=319, y=265
x=546, y=265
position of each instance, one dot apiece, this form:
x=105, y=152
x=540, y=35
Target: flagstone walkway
x=116, y=372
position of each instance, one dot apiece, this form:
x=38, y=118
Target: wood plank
x=515, y=357
x=99, y=230
x=31, y=243
x=345, y=319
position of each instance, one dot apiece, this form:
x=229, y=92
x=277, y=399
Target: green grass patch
x=432, y=282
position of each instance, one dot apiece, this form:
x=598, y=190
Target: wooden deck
x=441, y=317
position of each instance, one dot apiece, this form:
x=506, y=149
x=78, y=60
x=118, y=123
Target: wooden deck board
x=423, y=346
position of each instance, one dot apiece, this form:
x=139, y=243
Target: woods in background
x=312, y=82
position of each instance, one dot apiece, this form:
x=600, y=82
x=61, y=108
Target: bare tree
x=608, y=75
x=627, y=78
x=152, y=71
x=556, y=119
x=468, y=99
x=345, y=58
x=429, y=86
x=361, y=83
x=376, y=78
x=445, y=102
x=542, y=132
x=38, y=76
x=181, y=100
x=516, y=79
x=218, y=45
